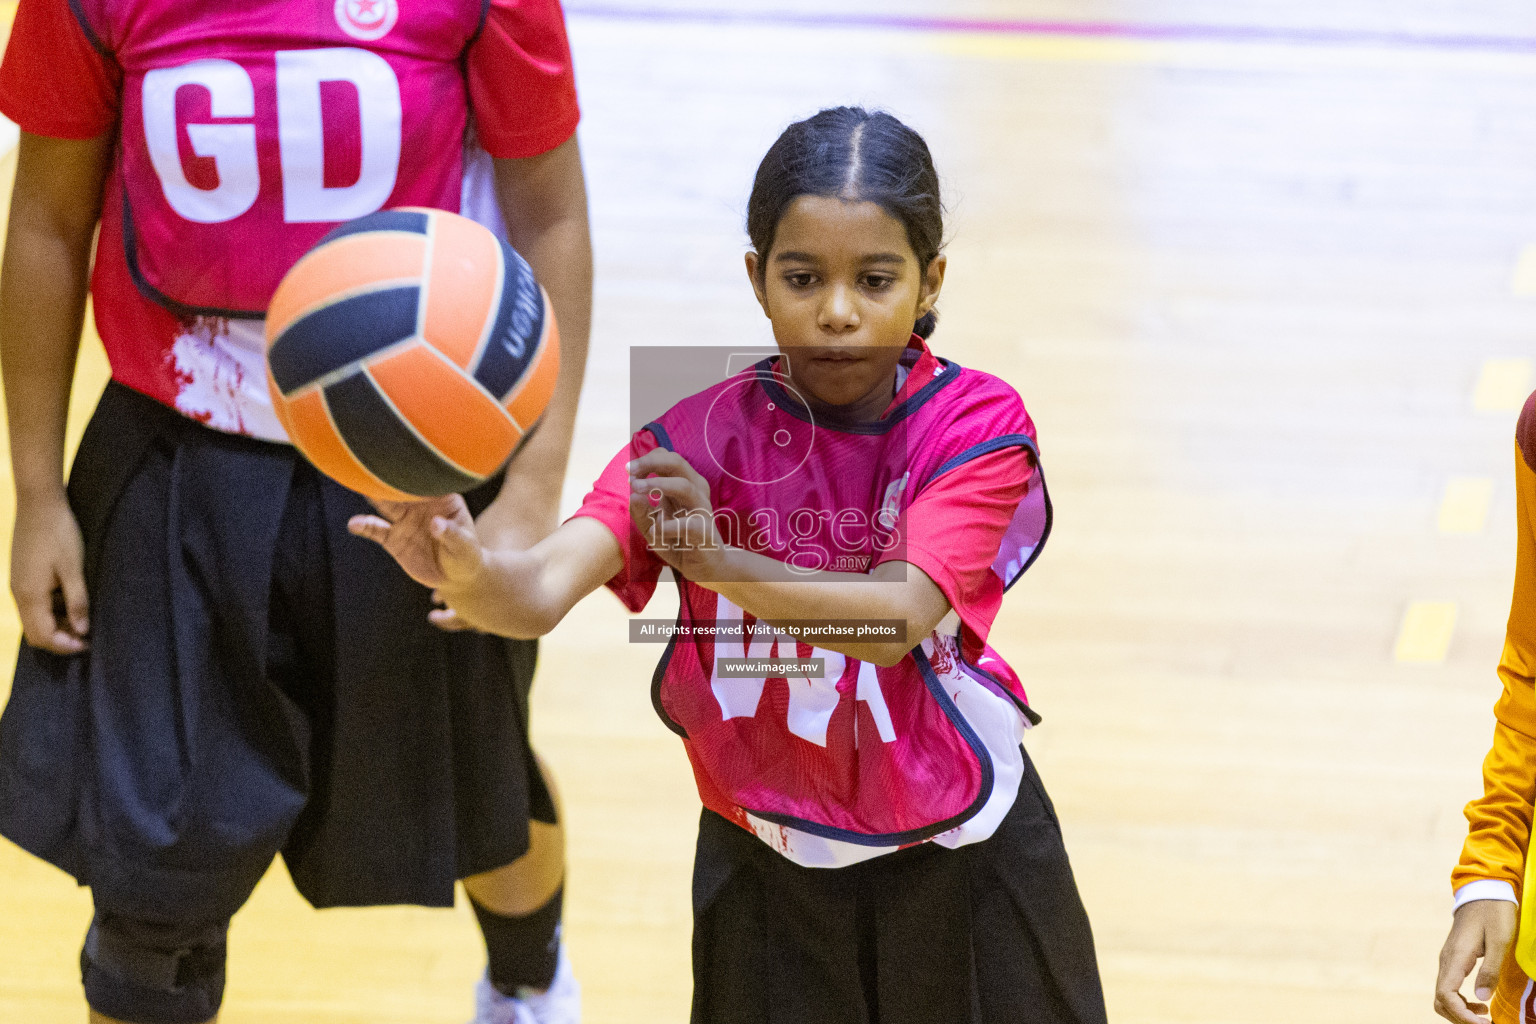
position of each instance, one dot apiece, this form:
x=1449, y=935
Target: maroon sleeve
x=57, y=78
x=608, y=503
x=1525, y=432
x=952, y=531
x=522, y=88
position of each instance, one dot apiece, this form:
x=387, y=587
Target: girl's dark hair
x=849, y=153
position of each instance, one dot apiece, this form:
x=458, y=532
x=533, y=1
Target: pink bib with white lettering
x=857, y=760
x=247, y=129
x=250, y=129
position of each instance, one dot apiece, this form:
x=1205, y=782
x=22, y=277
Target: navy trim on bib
x=987, y=448
x=661, y=666
x=155, y=295
x=1045, y=533
x=485, y=14
x=915, y=835
x=90, y=33
x=997, y=444
x=993, y=683
x=769, y=380
x=663, y=438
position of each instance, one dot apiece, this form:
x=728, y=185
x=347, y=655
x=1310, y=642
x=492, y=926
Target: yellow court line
x=1025, y=47
x=1051, y=48
x=1425, y=633
x=10, y=135
x=1464, y=506
x=1220, y=55
x=1502, y=385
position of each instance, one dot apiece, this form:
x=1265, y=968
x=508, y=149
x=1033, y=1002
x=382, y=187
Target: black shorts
x=991, y=933
x=259, y=682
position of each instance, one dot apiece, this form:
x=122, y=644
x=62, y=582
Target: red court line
x=1090, y=29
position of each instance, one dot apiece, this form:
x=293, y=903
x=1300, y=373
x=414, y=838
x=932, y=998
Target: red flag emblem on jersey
x=367, y=19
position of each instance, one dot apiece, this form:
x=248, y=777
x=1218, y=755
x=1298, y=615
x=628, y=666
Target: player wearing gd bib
x=875, y=844
x=215, y=672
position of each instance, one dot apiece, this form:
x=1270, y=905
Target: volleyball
x=409, y=352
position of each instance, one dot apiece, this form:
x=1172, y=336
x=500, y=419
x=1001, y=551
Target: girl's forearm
x=765, y=588
x=42, y=300
x=525, y=594
x=506, y=597
x=42, y=306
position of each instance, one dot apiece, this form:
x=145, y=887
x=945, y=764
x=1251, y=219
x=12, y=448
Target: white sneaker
x=558, y=1004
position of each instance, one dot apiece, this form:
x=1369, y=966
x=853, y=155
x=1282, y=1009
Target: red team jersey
x=862, y=759
x=247, y=129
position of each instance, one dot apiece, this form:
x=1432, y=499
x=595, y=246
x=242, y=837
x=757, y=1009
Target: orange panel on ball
x=354, y=261
x=310, y=428
x=447, y=408
x=534, y=391
x=462, y=286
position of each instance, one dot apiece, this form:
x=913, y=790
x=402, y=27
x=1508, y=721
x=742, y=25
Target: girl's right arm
x=514, y=593
x=54, y=210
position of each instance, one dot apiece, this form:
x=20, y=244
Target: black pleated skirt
x=259, y=682
x=989, y=933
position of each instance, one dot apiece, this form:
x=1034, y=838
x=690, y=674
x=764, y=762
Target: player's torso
x=853, y=761
x=250, y=128
x=822, y=495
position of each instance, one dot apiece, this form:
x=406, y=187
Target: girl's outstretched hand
x=434, y=541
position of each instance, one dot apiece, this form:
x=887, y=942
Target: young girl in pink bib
x=842, y=521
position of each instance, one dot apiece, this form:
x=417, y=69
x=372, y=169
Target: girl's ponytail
x=925, y=325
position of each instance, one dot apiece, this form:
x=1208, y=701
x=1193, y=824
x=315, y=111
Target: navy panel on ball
x=412, y=221
x=337, y=335
x=515, y=335
x=391, y=450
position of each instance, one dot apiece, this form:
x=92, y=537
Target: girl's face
x=843, y=288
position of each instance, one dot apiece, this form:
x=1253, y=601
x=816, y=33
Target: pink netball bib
x=857, y=760
x=247, y=130
x=250, y=129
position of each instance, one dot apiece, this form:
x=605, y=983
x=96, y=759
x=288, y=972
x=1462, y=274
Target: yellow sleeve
x=1500, y=820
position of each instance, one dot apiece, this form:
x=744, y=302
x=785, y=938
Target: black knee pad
x=151, y=973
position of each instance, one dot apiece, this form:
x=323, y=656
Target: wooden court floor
x=1263, y=293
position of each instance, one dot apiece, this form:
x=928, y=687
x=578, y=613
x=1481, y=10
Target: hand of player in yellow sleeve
x=1482, y=928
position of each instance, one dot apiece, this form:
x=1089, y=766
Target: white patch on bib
x=367, y=19
x=222, y=372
